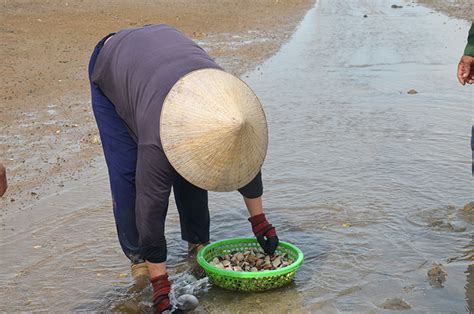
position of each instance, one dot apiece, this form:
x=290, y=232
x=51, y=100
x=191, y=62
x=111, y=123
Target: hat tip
x=238, y=124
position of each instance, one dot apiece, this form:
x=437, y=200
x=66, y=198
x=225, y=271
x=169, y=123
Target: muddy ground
x=463, y=9
x=47, y=130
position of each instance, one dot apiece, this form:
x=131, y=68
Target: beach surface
x=463, y=9
x=48, y=134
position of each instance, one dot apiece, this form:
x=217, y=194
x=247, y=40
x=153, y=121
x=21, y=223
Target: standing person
x=466, y=64
x=170, y=117
x=466, y=75
x=3, y=180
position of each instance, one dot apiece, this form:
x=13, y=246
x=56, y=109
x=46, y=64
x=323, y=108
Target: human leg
x=193, y=209
x=120, y=152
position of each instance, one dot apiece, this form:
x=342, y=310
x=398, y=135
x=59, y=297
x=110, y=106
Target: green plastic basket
x=248, y=281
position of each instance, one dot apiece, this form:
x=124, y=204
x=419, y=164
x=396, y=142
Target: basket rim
x=241, y=274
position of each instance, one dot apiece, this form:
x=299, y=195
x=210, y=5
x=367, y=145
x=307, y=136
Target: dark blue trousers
x=120, y=152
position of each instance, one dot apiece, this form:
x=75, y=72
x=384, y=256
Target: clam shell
x=252, y=260
x=277, y=261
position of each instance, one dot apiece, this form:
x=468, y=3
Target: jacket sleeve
x=469, y=51
x=154, y=179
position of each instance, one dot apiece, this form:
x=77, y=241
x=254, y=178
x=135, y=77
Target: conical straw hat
x=213, y=130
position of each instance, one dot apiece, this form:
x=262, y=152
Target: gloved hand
x=161, y=290
x=265, y=233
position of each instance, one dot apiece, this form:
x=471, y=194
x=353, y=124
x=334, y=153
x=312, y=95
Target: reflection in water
x=469, y=255
x=470, y=288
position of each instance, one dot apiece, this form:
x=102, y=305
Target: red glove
x=263, y=229
x=161, y=290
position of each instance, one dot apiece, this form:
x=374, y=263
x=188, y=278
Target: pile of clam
x=251, y=260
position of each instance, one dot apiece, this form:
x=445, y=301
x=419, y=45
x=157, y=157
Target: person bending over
x=170, y=118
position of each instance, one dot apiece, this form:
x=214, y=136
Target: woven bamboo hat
x=213, y=130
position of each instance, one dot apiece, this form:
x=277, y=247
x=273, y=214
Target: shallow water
x=366, y=179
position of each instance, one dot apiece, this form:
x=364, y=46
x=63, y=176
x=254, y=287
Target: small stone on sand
x=437, y=276
x=395, y=304
x=187, y=302
x=469, y=207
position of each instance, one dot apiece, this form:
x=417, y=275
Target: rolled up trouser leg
x=254, y=188
x=120, y=152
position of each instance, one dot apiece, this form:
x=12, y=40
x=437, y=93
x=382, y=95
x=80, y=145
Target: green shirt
x=469, y=51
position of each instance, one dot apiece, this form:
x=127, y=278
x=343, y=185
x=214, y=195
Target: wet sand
x=463, y=9
x=47, y=131
x=48, y=137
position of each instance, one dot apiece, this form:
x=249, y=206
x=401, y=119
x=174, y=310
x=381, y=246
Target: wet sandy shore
x=463, y=9
x=47, y=131
x=48, y=137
